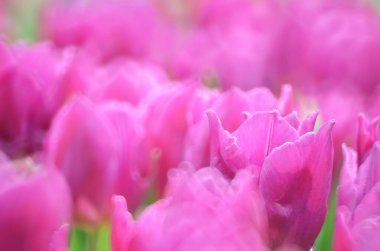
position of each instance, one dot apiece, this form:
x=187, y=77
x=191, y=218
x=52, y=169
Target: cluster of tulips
x=183, y=125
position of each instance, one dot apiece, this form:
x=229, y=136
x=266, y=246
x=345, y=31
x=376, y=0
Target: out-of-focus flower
x=165, y=112
x=343, y=106
x=121, y=80
x=238, y=48
x=29, y=212
x=134, y=170
x=230, y=107
x=357, y=218
x=292, y=165
x=100, y=149
x=339, y=72
x=202, y=211
x=60, y=240
x=126, y=81
x=368, y=134
x=348, y=53
x=27, y=95
x=133, y=28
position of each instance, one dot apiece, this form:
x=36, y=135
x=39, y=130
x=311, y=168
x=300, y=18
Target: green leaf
x=324, y=240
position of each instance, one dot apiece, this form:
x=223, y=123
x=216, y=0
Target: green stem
x=90, y=239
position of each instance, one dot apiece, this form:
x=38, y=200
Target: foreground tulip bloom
x=34, y=203
x=230, y=107
x=357, y=226
x=100, y=150
x=202, y=211
x=178, y=127
x=292, y=165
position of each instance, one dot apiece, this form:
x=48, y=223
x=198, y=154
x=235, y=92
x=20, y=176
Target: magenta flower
x=357, y=218
x=125, y=81
x=203, y=211
x=235, y=42
x=292, y=165
x=60, y=239
x=368, y=134
x=135, y=28
x=22, y=89
x=229, y=106
x=29, y=212
x=165, y=112
x=100, y=149
x=177, y=124
x=134, y=156
x=348, y=53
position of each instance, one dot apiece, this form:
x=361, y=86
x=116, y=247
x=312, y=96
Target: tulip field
x=189, y=125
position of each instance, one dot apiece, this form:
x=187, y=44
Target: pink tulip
x=22, y=89
x=281, y=152
x=134, y=156
x=368, y=134
x=339, y=72
x=202, y=211
x=60, y=240
x=177, y=124
x=357, y=226
x=122, y=80
x=230, y=107
x=206, y=13
x=134, y=28
x=309, y=160
x=100, y=149
x=34, y=203
x=348, y=53
x=126, y=81
x=235, y=42
x=165, y=112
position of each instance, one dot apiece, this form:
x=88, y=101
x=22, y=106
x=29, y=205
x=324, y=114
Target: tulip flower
x=235, y=42
x=34, y=203
x=344, y=57
x=136, y=29
x=292, y=165
x=125, y=81
x=134, y=157
x=230, y=106
x=202, y=211
x=22, y=89
x=356, y=225
x=100, y=150
x=368, y=134
x=60, y=241
x=165, y=112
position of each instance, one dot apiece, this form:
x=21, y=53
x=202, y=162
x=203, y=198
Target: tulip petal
x=295, y=184
x=122, y=225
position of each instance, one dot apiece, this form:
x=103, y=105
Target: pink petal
x=295, y=183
